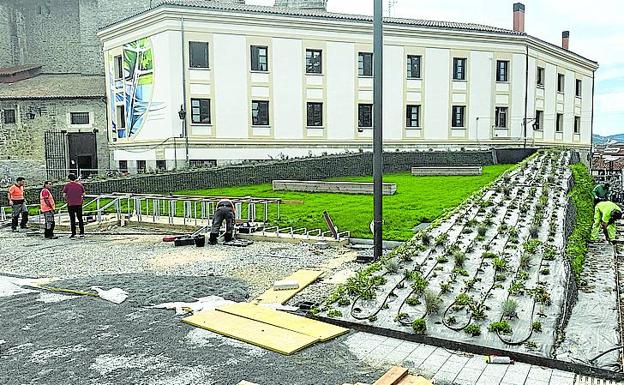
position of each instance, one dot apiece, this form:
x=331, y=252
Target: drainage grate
x=583, y=380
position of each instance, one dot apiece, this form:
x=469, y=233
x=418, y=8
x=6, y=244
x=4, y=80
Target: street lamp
x=378, y=129
x=182, y=115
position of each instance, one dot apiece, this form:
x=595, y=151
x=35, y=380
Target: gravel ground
x=57, y=339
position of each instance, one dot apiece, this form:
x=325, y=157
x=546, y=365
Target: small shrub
x=500, y=327
x=412, y=301
x=419, y=326
x=532, y=246
x=502, y=229
x=333, y=313
x=478, y=311
x=460, y=271
x=533, y=232
x=344, y=302
x=445, y=288
x=488, y=255
x=426, y=239
x=392, y=266
x=459, y=258
x=523, y=275
x=545, y=271
x=550, y=253
x=463, y=299
x=441, y=239
x=401, y=317
x=508, y=308
x=451, y=320
x=473, y=329
x=442, y=259
x=432, y=302
x=482, y=230
x=500, y=277
x=419, y=284
x=499, y=264
x=372, y=318
x=537, y=326
x=540, y=295
x=472, y=223
x=525, y=261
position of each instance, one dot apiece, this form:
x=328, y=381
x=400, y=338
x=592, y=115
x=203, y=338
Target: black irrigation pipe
x=530, y=359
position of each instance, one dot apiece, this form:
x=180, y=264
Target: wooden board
x=415, y=380
x=322, y=331
x=303, y=277
x=392, y=376
x=253, y=332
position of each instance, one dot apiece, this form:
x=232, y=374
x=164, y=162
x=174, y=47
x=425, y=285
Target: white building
x=257, y=82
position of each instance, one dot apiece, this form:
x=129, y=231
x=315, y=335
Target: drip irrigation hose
x=605, y=352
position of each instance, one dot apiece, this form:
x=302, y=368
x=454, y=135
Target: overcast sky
x=596, y=32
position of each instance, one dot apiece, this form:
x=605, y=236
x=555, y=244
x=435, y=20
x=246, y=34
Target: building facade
x=253, y=82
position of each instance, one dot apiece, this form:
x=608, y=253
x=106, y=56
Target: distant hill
x=599, y=139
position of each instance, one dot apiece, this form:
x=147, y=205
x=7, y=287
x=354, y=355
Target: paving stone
x=562, y=374
x=558, y=380
x=380, y=352
x=444, y=376
x=476, y=362
x=423, y=352
x=469, y=375
x=397, y=357
x=540, y=374
x=515, y=377
x=531, y=381
x=406, y=346
x=391, y=342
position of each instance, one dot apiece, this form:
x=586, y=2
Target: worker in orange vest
x=48, y=206
x=18, y=204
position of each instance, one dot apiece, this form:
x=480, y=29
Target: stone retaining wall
x=316, y=168
x=447, y=171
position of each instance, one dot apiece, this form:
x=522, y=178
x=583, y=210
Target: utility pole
x=378, y=128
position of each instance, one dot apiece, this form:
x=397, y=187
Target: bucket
x=200, y=241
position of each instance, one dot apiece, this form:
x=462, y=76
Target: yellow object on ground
x=303, y=277
x=602, y=214
x=266, y=336
x=392, y=376
x=321, y=330
x=415, y=380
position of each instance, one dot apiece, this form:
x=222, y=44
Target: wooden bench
x=447, y=171
x=331, y=187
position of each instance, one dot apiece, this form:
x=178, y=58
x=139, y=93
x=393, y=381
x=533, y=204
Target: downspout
x=526, y=93
x=591, y=139
x=184, y=129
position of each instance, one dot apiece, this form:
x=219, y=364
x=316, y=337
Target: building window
x=315, y=114
x=502, y=71
x=365, y=64
x=79, y=118
x=259, y=58
x=118, y=67
x=123, y=165
x=579, y=88
x=459, y=69
x=314, y=61
x=198, y=54
x=161, y=165
x=560, y=82
x=538, y=125
x=121, y=117
x=9, y=116
x=259, y=113
x=413, y=67
x=141, y=166
x=541, y=75
x=365, y=115
x=501, y=117
x=413, y=116
x=458, y=116
x=577, y=124
x=200, y=111
x=559, y=127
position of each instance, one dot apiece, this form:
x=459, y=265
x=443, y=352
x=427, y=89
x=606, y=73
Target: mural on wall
x=134, y=91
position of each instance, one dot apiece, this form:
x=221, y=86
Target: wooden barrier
x=331, y=187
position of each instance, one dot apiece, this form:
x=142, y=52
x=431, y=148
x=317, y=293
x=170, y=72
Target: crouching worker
x=605, y=215
x=225, y=211
x=47, y=208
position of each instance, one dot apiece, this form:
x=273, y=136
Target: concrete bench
x=331, y=187
x=447, y=171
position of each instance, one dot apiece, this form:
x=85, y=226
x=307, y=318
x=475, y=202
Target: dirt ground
x=48, y=338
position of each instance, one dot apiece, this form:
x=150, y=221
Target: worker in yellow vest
x=46, y=199
x=605, y=215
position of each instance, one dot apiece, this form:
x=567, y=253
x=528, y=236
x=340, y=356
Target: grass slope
x=582, y=199
x=418, y=199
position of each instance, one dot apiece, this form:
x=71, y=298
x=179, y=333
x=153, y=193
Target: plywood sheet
x=415, y=380
x=253, y=332
x=303, y=277
x=392, y=376
x=321, y=330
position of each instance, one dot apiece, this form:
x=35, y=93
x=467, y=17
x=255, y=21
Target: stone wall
x=316, y=168
x=22, y=145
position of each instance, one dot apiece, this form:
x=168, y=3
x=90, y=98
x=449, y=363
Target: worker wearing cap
x=605, y=215
x=47, y=209
x=225, y=211
x=601, y=193
x=18, y=204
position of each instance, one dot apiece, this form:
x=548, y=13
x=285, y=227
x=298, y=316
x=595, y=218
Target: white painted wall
x=437, y=91
x=393, y=115
x=518, y=76
x=341, y=78
x=550, y=89
x=288, y=103
x=480, y=94
x=232, y=113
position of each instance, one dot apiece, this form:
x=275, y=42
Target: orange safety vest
x=16, y=193
x=45, y=207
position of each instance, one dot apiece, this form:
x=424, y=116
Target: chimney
x=518, y=17
x=565, y=40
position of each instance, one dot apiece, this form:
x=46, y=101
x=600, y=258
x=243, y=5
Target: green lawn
x=418, y=199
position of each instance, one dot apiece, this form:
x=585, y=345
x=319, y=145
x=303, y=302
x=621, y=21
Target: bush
x=508, y=308
x=392, y=266
x=432, y=302
x=419, y=326
x=584, y=203
x=473, y=329
x=500, y=327
x=537, y=326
